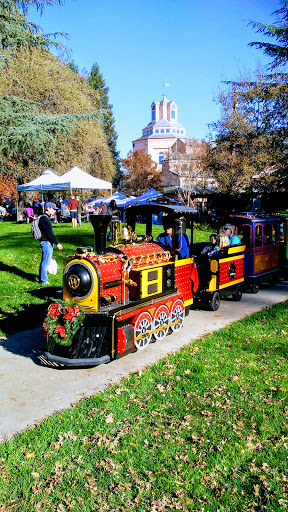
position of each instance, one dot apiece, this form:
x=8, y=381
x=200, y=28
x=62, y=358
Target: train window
x=282, y=232
x=244, y=233
x=274, y=234
x=258, y=235
x=267, y=234
x=151, y=282
x=153, y=275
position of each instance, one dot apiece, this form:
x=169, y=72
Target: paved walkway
x=30, y=391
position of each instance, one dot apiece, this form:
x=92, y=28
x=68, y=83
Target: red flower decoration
x=70, y=314
x=61, y=330
x=63, y=320
x=53, y=310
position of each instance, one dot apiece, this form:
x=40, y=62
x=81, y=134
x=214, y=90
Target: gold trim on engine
x=90, y=302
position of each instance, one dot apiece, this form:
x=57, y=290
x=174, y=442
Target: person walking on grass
x=73, y=205
x=79, y=210
x=47, y=241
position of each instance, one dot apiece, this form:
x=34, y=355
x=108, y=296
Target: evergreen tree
x=27, y=128
x=279, y=50
x=17, y=33
x=59, y=129
x=274, y=87
x=71, y=65
x=96, y=82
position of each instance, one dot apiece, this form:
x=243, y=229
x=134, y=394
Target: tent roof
x=47, y=181
x=117, y=196
x=120, y=199
x=150, y=194
x=79, y=179
x=96, y=201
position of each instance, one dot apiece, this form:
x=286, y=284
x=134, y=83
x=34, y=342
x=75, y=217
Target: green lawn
x=20, y=256
x=202, y=430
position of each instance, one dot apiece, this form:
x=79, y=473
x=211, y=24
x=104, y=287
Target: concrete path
x=31, y=391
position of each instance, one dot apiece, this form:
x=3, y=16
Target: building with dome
x=179, y=157
x=162, y=132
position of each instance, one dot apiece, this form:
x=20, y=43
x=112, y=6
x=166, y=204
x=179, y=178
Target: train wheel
x=215, y=302
x=255, y=287
x=177, y=315
x=161, y=321
x=142, y=331
x=237, y=295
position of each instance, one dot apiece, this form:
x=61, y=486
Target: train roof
x=281, y=214
x=254, y=218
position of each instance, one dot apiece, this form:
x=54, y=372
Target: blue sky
x=193, y=45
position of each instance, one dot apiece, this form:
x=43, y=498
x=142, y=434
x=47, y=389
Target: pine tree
x=26, y=127
x=54, y=97
x=96, y=82
x=279, y=50
x=16, y=32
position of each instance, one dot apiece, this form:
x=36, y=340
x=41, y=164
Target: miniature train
x=137, y=291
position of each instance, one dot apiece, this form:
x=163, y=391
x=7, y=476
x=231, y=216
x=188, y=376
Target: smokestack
x=100, y=224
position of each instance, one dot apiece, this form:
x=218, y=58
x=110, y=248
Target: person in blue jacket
x=229, y=230
x=182, y=242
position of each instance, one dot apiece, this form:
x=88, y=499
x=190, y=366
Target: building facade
x=162, y=132
x=179, y=157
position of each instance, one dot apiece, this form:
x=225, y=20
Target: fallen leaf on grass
x=110, y=418
x=29, y=455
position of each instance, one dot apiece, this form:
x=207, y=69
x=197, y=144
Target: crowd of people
x=7, y=210
x=74, y=209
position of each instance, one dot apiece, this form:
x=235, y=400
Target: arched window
x=153, y=113
x=161, y=156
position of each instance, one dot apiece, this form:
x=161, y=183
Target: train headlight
x=78, y=280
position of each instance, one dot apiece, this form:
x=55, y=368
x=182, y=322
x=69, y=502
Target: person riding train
x=182, y=241
x=229, y=230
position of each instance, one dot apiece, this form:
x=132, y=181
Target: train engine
x=132, y=293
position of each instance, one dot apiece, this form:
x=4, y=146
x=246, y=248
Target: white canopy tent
x=47, y=181
x=79, y=179
x=75, y=179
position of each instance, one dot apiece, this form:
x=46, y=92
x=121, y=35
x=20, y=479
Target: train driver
x=229, y=230
x=181, y=244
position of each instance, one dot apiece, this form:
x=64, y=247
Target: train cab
x=260, y=234
x=221, y=273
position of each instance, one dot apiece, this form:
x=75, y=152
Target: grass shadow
x=31, y=315
x=18, y=272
